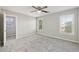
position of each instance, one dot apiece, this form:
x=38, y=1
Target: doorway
x=10, y=27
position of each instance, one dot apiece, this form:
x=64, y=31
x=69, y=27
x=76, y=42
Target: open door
x=1, y=29
x=7, y=26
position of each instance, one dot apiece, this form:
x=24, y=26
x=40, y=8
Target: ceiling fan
x=40, y=9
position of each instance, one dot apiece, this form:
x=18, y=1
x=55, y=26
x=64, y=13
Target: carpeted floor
x=38, y=43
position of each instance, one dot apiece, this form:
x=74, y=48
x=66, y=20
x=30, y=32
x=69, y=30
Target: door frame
x=4, y=28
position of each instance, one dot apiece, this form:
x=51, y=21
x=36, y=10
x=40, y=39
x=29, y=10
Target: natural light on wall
x=66, y=23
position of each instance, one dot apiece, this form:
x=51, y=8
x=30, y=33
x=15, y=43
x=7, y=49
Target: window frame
x=72, y=24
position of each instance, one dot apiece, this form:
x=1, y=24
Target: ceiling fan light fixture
x=39, y=11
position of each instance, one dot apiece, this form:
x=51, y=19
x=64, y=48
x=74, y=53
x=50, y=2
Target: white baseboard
x=44, y=34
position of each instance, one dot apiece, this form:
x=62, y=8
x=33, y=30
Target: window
x=66, y=23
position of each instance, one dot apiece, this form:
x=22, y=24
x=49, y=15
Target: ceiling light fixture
x=39, y=11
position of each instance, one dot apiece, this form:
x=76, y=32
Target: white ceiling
x=27, y=9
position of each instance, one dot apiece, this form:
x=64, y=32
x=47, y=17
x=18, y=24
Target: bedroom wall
x=26, y=25
x=51, y=25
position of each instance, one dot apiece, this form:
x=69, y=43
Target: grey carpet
x=38, y=43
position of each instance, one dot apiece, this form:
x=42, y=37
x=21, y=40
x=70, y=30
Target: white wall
x=25, y=25
x=51, y=25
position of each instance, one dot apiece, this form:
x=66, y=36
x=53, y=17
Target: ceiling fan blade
x=44, y=11
x=39, y=7
x=34, y=7
x=44, y=7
